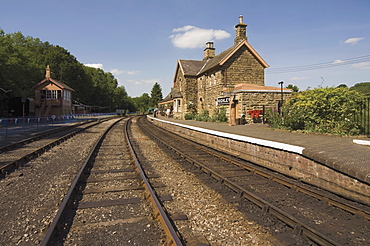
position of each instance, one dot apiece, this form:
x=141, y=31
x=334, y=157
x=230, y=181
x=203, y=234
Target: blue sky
x=140, y=41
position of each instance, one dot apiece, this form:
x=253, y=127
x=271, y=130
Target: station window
x=53, y=94
x=67, y=95
x=178, y=105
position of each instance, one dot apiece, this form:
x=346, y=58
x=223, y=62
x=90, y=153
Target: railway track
x=16, y=154
x=315, y=215
x=108, y=202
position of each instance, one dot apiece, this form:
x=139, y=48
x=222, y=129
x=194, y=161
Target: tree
x=121, y=99
x=294, y=88
x=18, y=72
x=22, y=65
x=156, y=95
x=342, y=85
x=104, y=86
x=363, y=88
x=142, y=103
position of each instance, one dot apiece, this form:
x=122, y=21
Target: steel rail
x=67, y=199
x=8, y=167
x=330, y=201
x=41, y=135
x=299, y=227
x=173, y=238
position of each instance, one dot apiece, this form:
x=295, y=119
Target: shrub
x=274, y=118
x=192, y=108
x=325, y=110
x=219, y=115
x=189, y=116
x=204, y=116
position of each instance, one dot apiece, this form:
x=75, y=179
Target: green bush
x=274, y=118
x=204, y=116
x=189, y=116
x=218, y=116
x=324, y=110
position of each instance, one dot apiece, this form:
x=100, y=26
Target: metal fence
x=362, y=116
x=13, y=127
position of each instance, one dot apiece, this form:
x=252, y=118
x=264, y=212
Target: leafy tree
x=131, y=105
x=142, y=103
x=342, y=85
x=294, y=88
x=17, y=71
x=156, y=95
x=104, y=86
x=22, y=65
x=363, y=88
x=122, y=101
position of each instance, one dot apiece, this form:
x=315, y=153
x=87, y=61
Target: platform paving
x=338, y=152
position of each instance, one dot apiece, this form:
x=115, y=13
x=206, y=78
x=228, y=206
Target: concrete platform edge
x=262, y=142
x=362, y=142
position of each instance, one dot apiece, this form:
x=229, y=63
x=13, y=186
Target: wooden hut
x=52, y=97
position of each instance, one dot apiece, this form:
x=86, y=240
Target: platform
x=350, y=155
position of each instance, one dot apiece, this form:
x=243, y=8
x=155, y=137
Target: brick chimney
x=47, y=75
x=241, y=31
x=209, y=51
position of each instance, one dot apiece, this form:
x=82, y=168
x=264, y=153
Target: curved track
x=320, y=217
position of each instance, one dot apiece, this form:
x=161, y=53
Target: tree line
x=22, y=65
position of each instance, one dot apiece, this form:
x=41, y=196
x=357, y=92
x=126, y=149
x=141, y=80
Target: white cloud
x=95, y=65
x=116, y=71
x=338, y=62
x=353, y=41
x=362, y=65
x=143, y=81
x=298, y=78
x=195, y=37
x=183, y=29
x=130, y=72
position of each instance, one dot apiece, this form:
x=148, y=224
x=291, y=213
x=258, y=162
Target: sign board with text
x=223, y=101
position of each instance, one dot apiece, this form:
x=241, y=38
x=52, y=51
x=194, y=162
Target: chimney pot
x=209, y=51
x=47, y=75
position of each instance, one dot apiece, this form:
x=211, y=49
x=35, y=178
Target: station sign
x=223, y=101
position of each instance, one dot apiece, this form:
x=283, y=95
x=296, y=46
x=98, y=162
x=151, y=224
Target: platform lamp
x=282, y=97
x=230, y=88
x=23, y=99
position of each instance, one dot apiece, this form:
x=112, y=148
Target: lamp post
x=23, y=99
x=230, y=89
x=282, y=98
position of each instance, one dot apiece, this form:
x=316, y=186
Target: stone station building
x=233, y=79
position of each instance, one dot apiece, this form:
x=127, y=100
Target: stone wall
x=243, y=67
x=291, y=164
x=213, y=87
x=257, y=101
x=189, y=90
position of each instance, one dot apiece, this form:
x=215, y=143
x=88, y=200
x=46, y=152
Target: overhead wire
x=322, y=65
